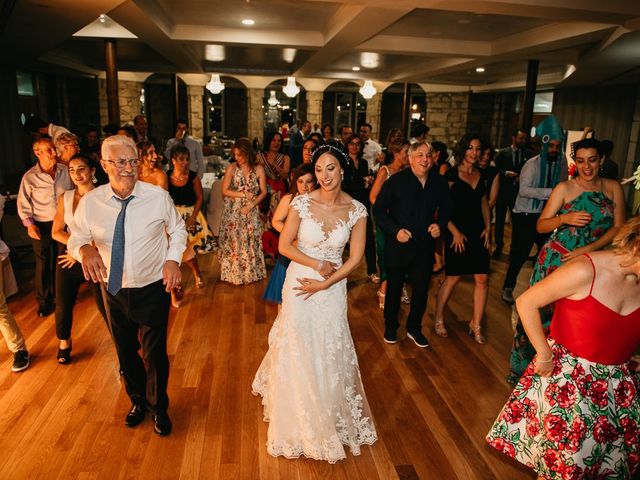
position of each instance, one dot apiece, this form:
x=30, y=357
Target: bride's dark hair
x=335, y=152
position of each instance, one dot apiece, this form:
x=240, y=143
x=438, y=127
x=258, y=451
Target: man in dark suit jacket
x=406, y=210
x=509, y=162
x=296, y=142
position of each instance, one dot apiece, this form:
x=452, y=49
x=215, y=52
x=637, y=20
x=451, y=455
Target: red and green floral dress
x=582, y=421
x=564, y=239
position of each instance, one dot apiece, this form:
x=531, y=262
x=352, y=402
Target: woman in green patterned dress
x=584, y=215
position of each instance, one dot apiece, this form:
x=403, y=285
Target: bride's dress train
x=309, y=379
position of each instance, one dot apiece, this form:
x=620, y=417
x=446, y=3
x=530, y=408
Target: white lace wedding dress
x=309, y=379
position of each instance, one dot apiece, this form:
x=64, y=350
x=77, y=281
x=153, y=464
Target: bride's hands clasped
x=309, y=286
x=326, y=269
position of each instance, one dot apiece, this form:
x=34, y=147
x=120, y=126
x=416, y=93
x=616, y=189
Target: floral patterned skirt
x=200, y=239
x=580, y=423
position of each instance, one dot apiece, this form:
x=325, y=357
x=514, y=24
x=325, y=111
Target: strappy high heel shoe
x=475, y=332
x=380, y=300
x=438, y=326
x=404, y=298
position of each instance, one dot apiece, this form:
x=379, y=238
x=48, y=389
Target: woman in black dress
x=185, y=189
x=467, y=239
x=357, y=182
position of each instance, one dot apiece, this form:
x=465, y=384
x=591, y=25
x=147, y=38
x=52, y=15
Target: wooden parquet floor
x=432, y=408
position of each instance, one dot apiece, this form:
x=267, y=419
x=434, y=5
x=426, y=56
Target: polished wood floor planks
x=432, y=408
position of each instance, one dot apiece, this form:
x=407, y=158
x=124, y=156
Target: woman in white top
x=69, y=275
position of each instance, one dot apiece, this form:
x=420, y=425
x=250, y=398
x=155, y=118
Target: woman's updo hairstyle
x=335, y=152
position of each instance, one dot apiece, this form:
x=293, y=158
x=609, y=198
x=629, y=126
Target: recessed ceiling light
x=214, y=53
x=480, y=69
x=289, y=54
x=103, y=18
x=355, y=69
x=248, y=21
x=369, y=60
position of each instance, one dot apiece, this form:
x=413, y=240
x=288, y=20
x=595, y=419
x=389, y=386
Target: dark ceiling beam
x=350, y=26
x=147, y=20
x=53, y=22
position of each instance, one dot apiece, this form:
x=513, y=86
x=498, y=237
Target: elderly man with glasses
x=412, y=209
x=130, y=236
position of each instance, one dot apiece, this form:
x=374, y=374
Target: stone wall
x=374, y=107
x=314, y=107
x=447, y=116
x=129, y=97
x=195, y=105
x=255, y=112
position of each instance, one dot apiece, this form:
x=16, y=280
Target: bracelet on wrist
x=550, y=360
x=319, y=266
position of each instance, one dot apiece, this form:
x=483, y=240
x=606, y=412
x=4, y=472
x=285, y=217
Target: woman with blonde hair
x=574, y=412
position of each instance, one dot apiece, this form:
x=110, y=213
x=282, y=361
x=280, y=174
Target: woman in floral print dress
x=575, y=412
x=244, y=186
x=584, y=215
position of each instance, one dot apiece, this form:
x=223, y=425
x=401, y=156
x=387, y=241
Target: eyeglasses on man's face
x=122, y=162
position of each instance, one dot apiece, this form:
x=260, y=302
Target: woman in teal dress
x=583, y=215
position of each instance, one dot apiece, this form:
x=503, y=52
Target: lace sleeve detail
x=301, y=205
x=356, y=213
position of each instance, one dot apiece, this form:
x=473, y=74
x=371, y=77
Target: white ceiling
x=428, y=41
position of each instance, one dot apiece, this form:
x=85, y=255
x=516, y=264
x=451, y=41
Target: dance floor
x=432, y=408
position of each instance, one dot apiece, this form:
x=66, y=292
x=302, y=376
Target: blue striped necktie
x=117, y=249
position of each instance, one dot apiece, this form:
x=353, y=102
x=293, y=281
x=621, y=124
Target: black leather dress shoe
x=162, y=424
x=46, y=310
x=135, y=415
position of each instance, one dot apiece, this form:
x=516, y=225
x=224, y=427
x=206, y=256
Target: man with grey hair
x=129, y=235
x=66, y=146
x=412, y=209
x=40, y=188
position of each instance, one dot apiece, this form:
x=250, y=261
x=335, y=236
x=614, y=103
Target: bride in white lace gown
x=309, y=379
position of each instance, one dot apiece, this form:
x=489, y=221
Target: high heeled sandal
x=380, y=299
x=441, y=331
x=176, y=296
x=64, y=355
x=404, y=298
x=475, y=332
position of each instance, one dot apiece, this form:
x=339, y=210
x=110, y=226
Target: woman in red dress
x=574, y=413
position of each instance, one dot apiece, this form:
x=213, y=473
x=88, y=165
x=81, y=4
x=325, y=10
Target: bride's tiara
x=335, y=151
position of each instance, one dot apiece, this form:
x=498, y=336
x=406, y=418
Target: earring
x=94, y=179
x=342, y=175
